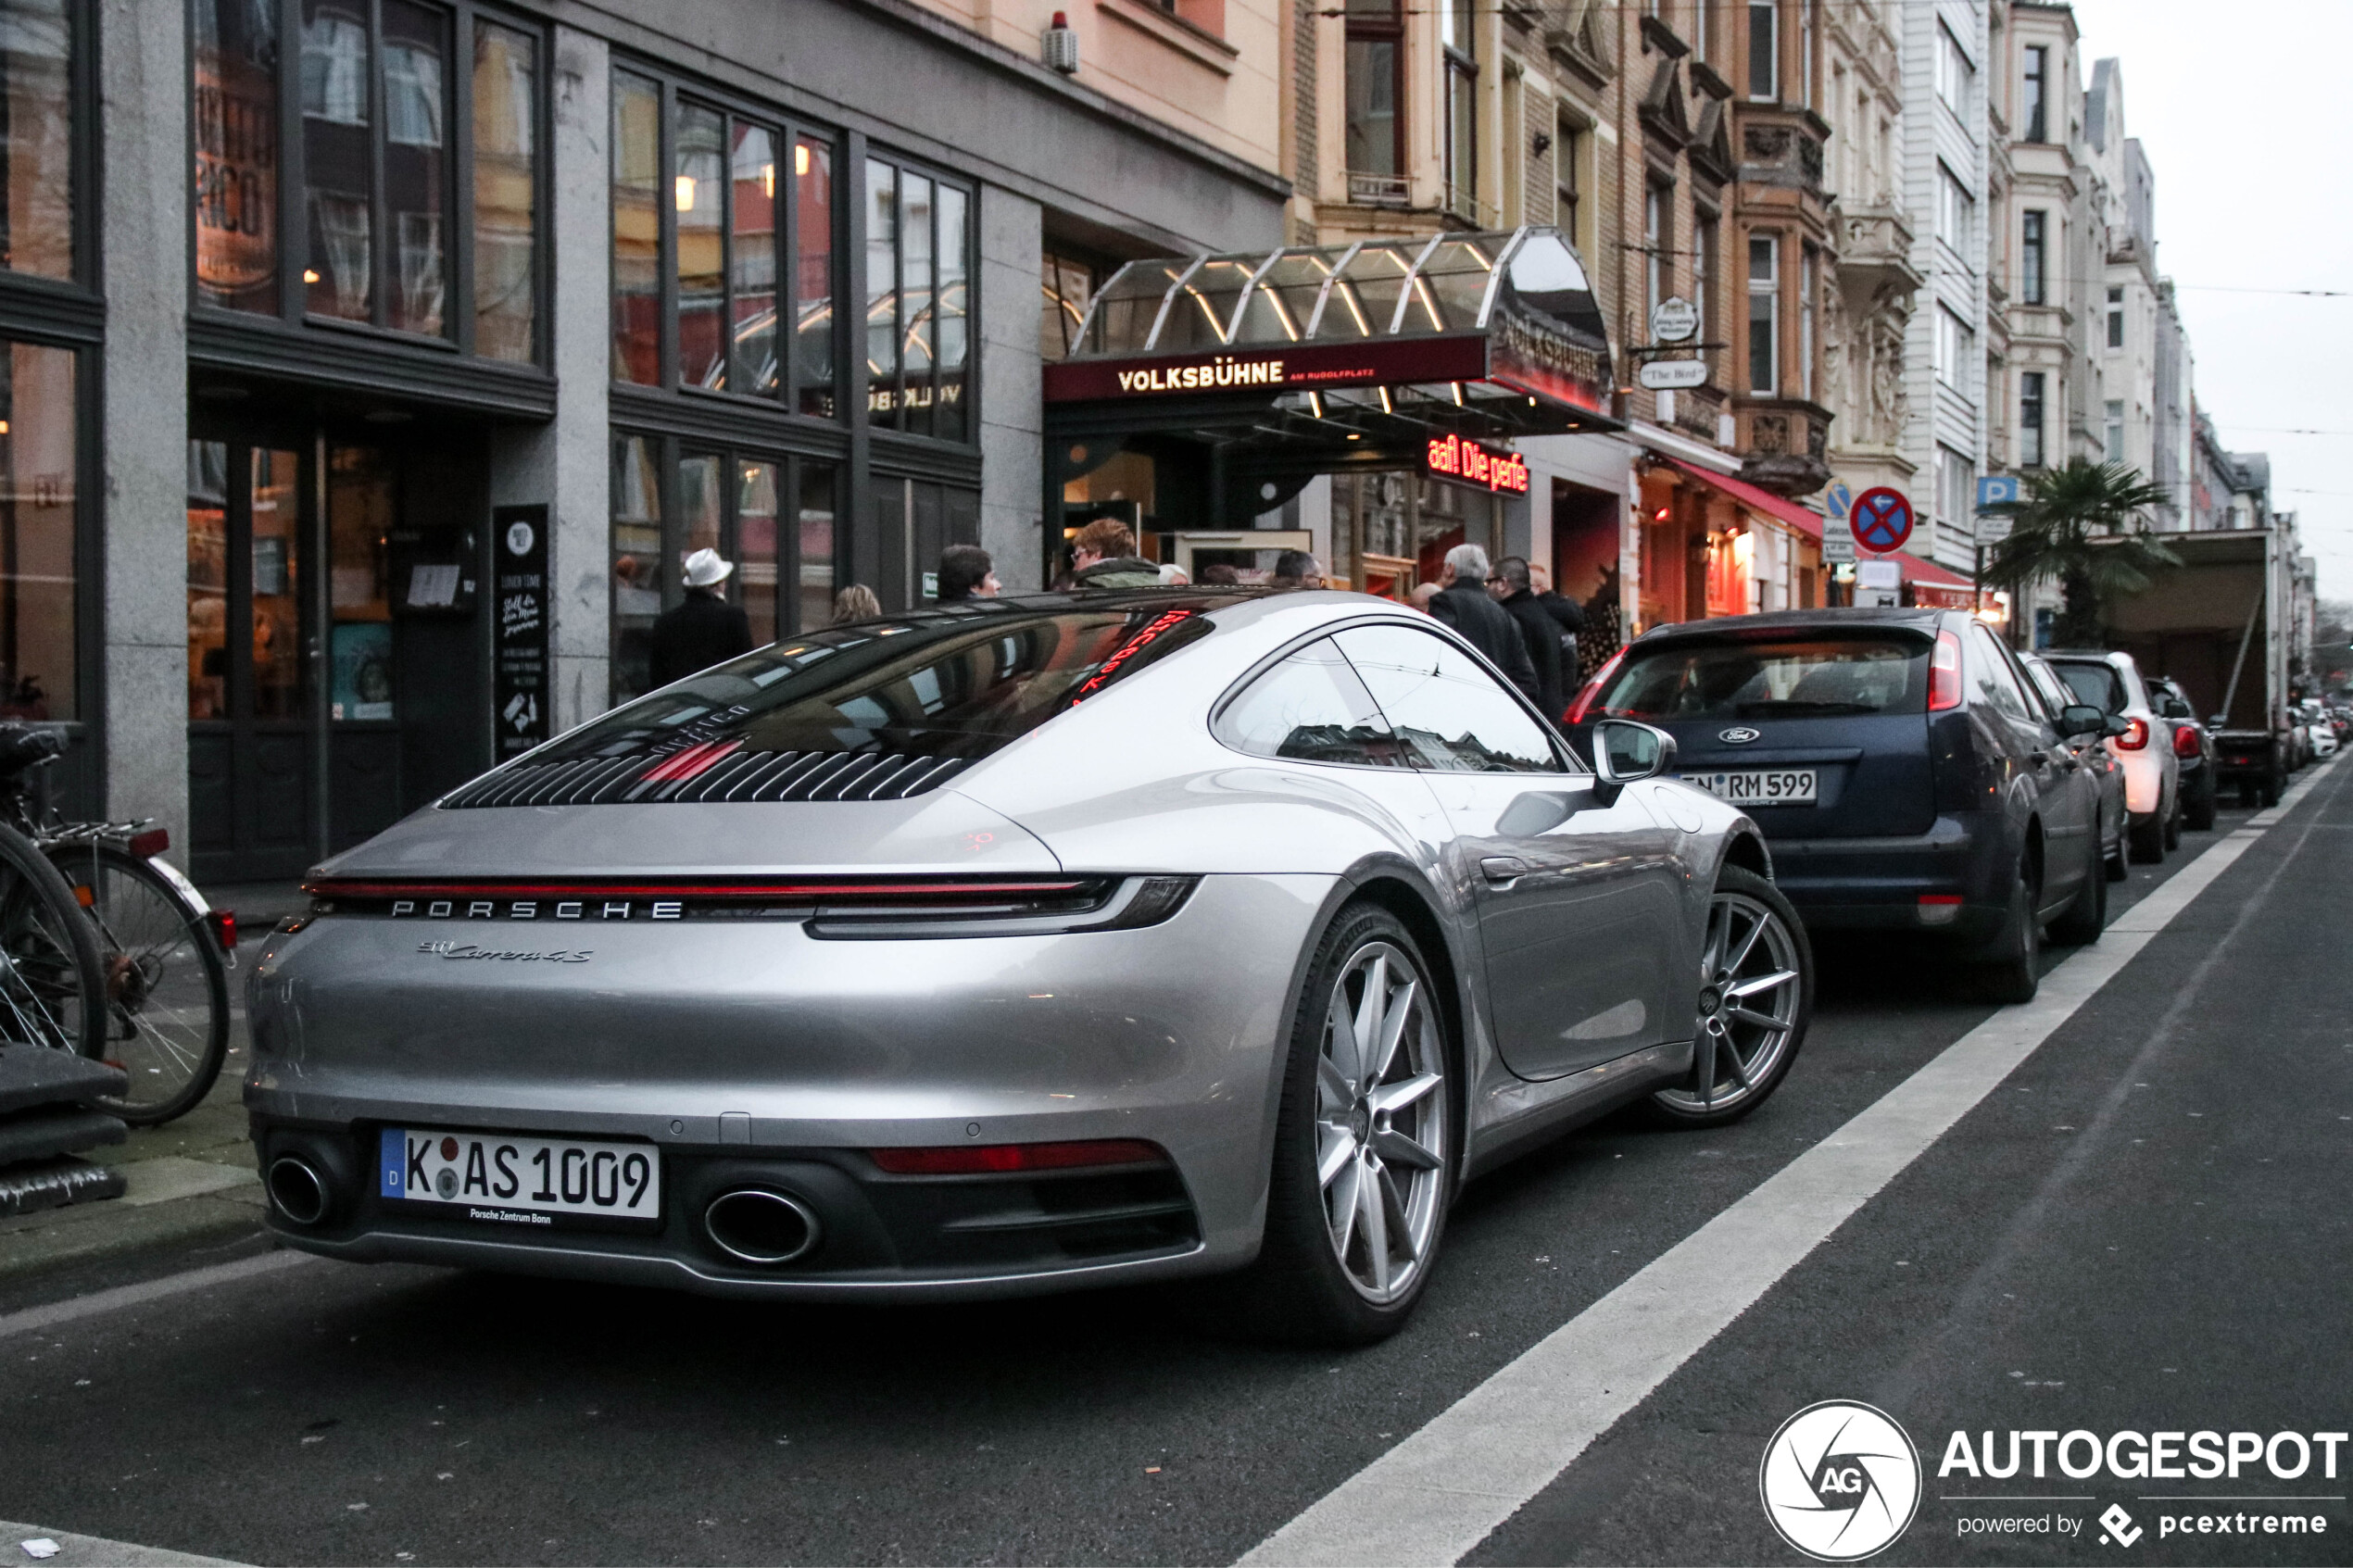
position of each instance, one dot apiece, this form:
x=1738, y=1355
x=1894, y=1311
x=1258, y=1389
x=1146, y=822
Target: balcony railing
x=1379, y=190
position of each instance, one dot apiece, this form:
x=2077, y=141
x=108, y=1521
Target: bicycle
x=161, y=955
x=52, y=974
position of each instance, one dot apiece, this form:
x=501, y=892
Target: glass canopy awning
x=1491, y=333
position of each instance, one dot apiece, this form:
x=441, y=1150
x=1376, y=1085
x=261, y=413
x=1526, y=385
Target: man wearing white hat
x=703, y=629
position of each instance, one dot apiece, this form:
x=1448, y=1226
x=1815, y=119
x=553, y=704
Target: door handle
x=1502, y=868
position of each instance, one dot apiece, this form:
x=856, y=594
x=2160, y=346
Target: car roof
x=1925, y=622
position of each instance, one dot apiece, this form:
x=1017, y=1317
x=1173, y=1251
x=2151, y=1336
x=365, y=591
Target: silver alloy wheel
x=1749, y=992
x=1380, y=1120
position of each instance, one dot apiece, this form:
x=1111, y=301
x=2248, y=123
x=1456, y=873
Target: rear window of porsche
x=881, y=710
x=1781, y=678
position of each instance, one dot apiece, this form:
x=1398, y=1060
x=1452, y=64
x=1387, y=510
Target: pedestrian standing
x=1296, y=569
x=966, y=572
x=702, y=629
x=1464, y=603
x=856, y=602
x=1538, y=631
x=1568, y=615
x=1102, y=554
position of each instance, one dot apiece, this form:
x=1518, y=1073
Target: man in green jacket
x=1103, y=555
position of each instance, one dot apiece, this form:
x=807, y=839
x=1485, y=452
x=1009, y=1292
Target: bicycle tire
x=167, y=1009
x=52, y=975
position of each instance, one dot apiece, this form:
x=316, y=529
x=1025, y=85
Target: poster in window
x=361, y=651
x=521, y=694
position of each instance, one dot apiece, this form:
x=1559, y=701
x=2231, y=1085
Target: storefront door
x=251, y=749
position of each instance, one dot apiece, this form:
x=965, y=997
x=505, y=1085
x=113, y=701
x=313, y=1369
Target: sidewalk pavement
x=189, y=1181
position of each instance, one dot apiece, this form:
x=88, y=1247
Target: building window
x=2031, y=280
x=2116, y=318
x=2114, y=451
x=1953, y=212
x=1956, y=495
x=707, y=204
x=1375, y=52
x=1461, y=108
x=1067, y=287
x=1805, y=52
x=40, y=530
x=1953, y=71
x=1763, y=315
x=1703, y=28
x=1764, y=66
x=1954, y=344
x=2030, y=418
x=37, y=74
x=1568, y=155
x=774, y=516
x=918, y=268
x=1704, y=229
x=387, y=94
x=2031, y=114
x=1658, y=278
x=1808, y=273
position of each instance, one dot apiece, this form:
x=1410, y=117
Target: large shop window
x=39, y=531
x=707, y=207
x=36, y=137
x=388, y=90
x=918, y=301
x=773, y=516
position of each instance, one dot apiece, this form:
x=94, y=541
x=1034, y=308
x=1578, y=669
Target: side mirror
x=1625, y=751
x=2080, y=719
x=2114, y=724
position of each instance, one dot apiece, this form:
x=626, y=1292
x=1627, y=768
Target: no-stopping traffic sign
x=1882, y=519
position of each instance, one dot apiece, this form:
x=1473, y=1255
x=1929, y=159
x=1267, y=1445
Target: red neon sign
x=1474, y=462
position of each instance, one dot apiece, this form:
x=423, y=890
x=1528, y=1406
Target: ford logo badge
x=1739, y=735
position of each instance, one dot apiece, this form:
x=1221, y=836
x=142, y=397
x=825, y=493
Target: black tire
x=2114, y=858
x=2086, y=917
x=2011, y=969
x=1757, y=951
x=2173, y=824
x=51, y=976
x=2201, y=808
x=1309, y=1283
x=2274, y=784
x=2250, y=795
x=2148, y=841
x=166, y=1015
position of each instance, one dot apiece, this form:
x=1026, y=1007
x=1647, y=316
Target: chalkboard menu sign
x=519, y=572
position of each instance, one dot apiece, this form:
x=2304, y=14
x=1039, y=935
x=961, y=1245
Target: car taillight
x=1575, y=714
x=2186, y=740
x=988, y=1160
x=2135, y=735
x=1944, y=674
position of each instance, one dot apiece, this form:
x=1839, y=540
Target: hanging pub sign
x=520, y=693
x=1475, y=462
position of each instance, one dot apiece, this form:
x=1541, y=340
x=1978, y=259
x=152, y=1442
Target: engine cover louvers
x=732, y=776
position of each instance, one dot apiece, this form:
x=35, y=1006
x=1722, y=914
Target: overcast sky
x=2236, y=105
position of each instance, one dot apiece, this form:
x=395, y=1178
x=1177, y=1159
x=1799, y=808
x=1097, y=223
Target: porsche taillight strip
x=338, y=887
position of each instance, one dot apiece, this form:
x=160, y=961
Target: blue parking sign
x=1997, y=489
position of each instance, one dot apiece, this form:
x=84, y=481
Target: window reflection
x=814, y=563
x=36, y=138
x=636, y=563
x=416, y=55
x=235, y=93
x=698, y=197
x=813, y=274
x=751, y=258
x=207, y=580
x=506, y=95
x=756, y=543
x=636, y=230
x=336, y=161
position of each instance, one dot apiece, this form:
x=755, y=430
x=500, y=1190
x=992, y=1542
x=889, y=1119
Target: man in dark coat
x=1569, y=616
x=1464, y=603
x=703, y=629
x=1536, y=628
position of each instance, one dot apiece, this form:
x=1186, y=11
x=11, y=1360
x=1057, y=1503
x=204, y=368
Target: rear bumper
x=1877, y=883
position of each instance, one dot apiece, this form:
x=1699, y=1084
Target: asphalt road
x=2143, y=1227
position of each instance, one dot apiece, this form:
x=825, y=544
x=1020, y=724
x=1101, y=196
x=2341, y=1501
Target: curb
x=170, y=1202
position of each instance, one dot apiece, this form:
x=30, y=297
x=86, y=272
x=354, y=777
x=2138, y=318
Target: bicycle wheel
x=167, y=1013
x=52, y=980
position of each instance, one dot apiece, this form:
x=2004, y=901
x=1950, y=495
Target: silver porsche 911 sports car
x=1018, y=945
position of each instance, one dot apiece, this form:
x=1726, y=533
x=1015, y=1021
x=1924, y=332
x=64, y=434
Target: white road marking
x=97, y=1302
x=75, y=1552
x=1437, y=1494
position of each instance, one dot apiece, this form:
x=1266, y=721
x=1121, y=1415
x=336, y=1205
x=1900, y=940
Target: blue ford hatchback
x=1906, y=770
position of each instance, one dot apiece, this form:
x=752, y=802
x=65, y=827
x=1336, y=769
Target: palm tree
x=2081, y=524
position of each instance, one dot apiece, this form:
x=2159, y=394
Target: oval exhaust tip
x=755, y=1225
x=299, y=1190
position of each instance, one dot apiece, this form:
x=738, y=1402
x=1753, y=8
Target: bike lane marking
x=1437, y=1494
x=101, y=1302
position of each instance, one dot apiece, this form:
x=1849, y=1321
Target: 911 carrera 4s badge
x=507, y=954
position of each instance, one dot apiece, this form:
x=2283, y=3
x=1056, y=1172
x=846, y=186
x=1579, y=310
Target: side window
x=1449, y=713
x=1311, y=707
x=2046, y=685
x=1990, y=672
